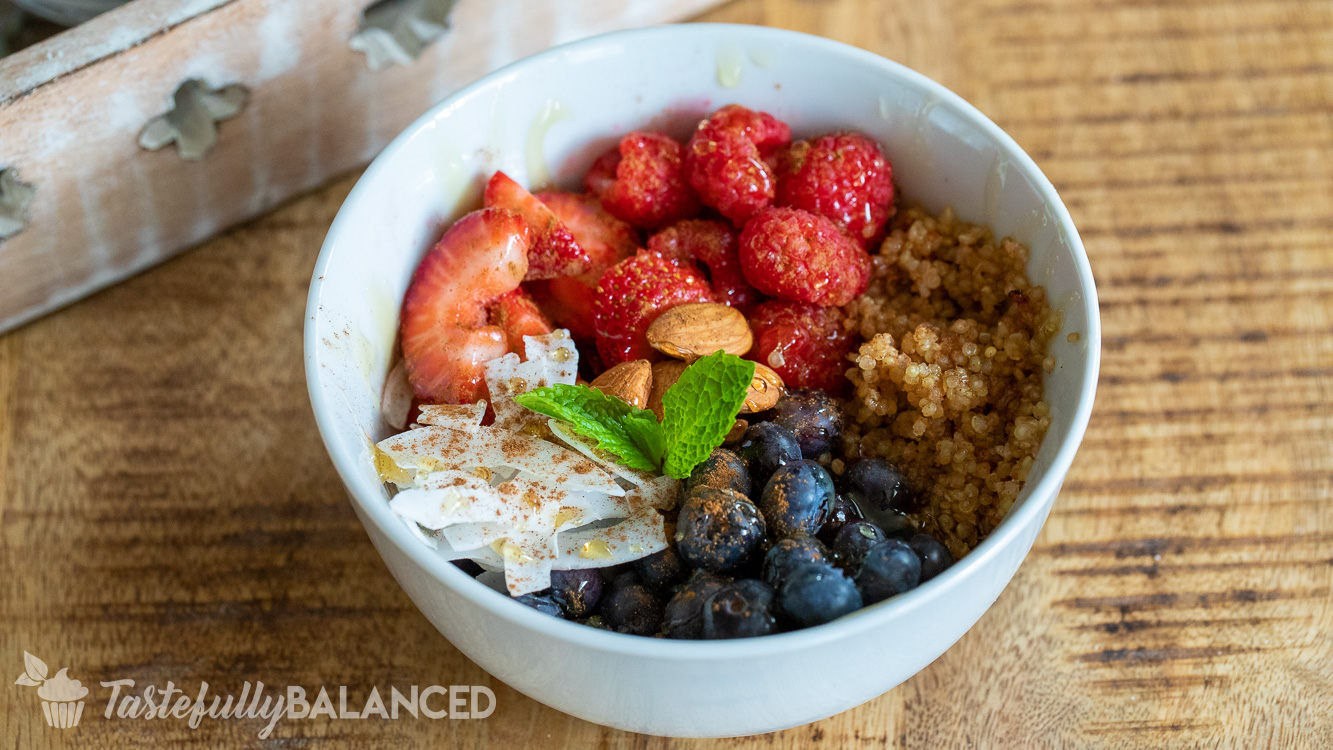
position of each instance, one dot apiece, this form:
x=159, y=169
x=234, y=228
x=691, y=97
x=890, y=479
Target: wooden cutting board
x=167, y=511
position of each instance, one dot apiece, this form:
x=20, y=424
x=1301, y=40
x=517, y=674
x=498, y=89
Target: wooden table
x=168, y=512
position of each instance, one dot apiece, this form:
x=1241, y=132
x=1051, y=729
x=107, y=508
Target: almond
x=736, y=433
x=765, y=390
x=665, y=375
x=628, y=381
x=698, y=329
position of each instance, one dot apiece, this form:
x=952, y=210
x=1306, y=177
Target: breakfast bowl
x=543, y=120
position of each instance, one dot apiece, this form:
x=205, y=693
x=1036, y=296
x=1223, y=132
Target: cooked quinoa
x=948, y=384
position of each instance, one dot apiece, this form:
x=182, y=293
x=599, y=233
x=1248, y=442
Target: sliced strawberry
x=608, y=240
x=517, y=315
x=554, y=251
x=629, y=298
x=444, y=328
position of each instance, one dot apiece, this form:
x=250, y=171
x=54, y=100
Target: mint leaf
x=700, y=408
x=630, y=434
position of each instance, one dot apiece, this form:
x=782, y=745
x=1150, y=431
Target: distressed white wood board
x=104, y=208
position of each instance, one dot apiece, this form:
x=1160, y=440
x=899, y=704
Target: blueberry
x=844, y=512
x=817, y=593
x=743, y=609
x=632, y=608
x=889, y=568
x=723, y=470
x=766, y=447
x=684, y=613
x=853, y=542
x=661, y=570
x=789, y=554
x=797, y=499
x=934, y=556
x=717, y=529
x=876, y=485
x=576, y=591
x=543, y=602
x=469, y=566
x=813, y=417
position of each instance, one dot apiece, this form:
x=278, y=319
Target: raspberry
x=840, y=176
x=797, y=255
x=714, y=245
x=643, y=181
x=806, y=344
x=629, y=298
x=724, y=160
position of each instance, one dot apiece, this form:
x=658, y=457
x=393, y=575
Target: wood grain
x=168, y=511
x=72, y=108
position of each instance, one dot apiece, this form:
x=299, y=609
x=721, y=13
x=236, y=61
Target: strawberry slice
x=445, y=326
x=607, y=240
x=554, y=252
x=518, y=316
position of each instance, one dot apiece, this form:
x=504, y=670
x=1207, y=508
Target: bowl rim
x=1040, y=498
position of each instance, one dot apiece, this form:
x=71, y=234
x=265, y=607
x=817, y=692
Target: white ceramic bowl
x=561, y=108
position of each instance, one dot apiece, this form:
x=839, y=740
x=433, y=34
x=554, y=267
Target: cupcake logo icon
x=62, y=698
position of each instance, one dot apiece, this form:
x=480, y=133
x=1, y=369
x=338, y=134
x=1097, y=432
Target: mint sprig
x=631, y=434
x=698, y=411
x=700, y=408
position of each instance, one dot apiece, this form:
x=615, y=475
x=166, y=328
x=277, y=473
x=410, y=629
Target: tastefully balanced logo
x=62, y=701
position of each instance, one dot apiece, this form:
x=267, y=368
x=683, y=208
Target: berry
x=717, y=529
x=554, y=250
x=800, y=256
x=542, y=602
x=607, y=240
x=797, y=499
x=877, y=485
x=844, y=512
x=684, y=613
x=840, y=176
x=725, y=165
x=661, y=570
x=714, y=246
x=889, y=569
x=934, y=556
x=765, y=448
x=853, y=542
x=469, y=566
x=788, y=555
x=817, y=593
x=518, y=315
x=813, y=417
x=444, y=330
x=632, y=608
x=805, y=344
x=743, y=609
x=576, y=591
x=629, y=298
x=723, y=470
x=642, y=181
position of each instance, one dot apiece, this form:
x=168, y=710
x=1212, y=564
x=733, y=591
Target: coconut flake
x=396, y=398
x=465, y=417
x=639, y=535
x=551, y=359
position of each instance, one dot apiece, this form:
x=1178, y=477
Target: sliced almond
x=629, y=381
x=698, y=329
x=736, y=433
x=765, y=390
x=665, y=375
